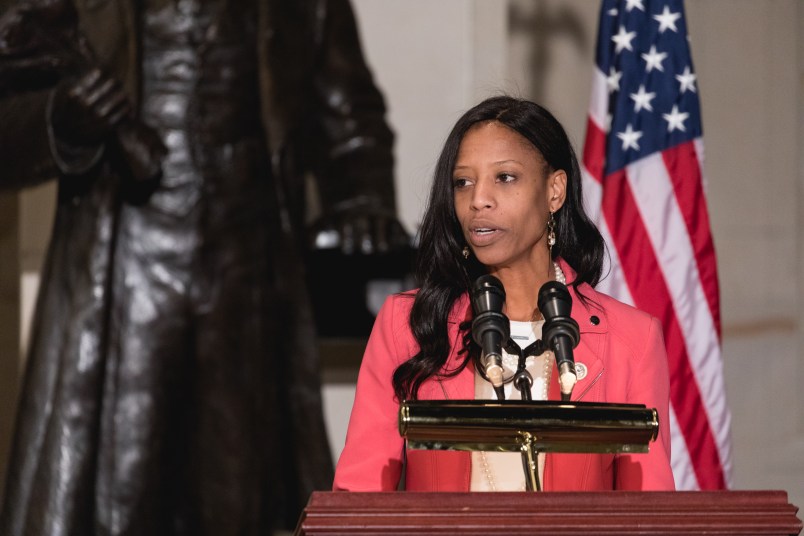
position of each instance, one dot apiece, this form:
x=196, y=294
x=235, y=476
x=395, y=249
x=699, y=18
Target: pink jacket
x=622, y=347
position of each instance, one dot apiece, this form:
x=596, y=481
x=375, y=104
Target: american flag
x=644, y=187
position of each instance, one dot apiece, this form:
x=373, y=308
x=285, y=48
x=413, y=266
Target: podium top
x=550, y=426
x=637, y=513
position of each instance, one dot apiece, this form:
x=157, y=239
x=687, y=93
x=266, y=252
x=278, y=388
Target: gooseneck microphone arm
x=560, y=332
x=490, y=328
x=523, y=381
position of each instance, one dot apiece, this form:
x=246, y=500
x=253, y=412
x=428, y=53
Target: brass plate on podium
x=550, y=426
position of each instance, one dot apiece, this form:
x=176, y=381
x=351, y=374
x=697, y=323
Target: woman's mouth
x=482, y=236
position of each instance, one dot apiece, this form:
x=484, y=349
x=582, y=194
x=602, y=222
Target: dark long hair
x=442, y=273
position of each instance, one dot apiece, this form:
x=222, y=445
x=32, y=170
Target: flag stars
x=667, y=20
x=675, y=119
x=613, y=80
x=630, y=137
x=686, y=80
x=631, y=4
x=654, y=59
x=623, y=40
x=642, y=99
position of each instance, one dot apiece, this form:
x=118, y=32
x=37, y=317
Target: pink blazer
x=622, y=348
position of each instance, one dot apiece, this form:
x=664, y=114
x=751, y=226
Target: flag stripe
x=614, y=285
x=612, y=281
x=594, y=151
x=664, y=220
x=680, y=460
x=685, y=172
x=650, y=293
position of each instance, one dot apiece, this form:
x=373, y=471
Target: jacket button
x=594, y=320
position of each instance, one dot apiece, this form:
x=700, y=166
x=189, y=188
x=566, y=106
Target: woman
x=505, y=200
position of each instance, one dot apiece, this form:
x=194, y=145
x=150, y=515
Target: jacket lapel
x=594, y=327
x=569, y=472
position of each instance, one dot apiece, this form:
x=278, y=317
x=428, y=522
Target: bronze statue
x=172, y=383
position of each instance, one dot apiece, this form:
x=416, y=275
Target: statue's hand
x=87, y=108
x=91, y=110
x=142, y=152
x=359, y=229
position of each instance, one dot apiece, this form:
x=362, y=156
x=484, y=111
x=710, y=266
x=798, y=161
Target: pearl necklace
x=560, y=277
x=546, y=374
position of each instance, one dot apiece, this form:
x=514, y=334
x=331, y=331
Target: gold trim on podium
x=528, y=427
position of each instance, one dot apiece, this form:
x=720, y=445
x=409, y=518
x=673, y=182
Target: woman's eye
x=459, y=182
x=505, y=177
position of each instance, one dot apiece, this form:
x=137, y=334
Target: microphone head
x=554, y=301
x=488, y=294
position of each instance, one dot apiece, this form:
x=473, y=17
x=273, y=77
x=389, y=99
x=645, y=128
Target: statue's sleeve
x=24, y=145
x=354, y=160
x=29, y=72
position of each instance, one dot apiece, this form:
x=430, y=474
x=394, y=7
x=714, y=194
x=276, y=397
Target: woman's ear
x=556, y=189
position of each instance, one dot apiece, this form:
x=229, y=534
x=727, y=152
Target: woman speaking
x=505, y=201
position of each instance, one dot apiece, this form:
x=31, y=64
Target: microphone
x=560, y=332
x=490, y=328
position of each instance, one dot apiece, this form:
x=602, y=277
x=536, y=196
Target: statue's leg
x=51, y=472
x=235, y=404
x=141, y=474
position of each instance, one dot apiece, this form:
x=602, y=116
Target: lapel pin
x=580, y=370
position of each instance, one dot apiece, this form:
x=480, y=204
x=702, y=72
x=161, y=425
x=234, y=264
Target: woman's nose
x=483, y=195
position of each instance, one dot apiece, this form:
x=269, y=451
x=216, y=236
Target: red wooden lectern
x=564, y=513
x=532, y=427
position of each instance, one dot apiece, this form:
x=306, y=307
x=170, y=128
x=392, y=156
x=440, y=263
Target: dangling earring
x=465, y=252
x=551, y=233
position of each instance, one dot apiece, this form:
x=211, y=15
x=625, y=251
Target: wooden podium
x=532, y=427
x=564, y=513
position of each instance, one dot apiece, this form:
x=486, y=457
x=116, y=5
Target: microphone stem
x=500, y=391
x=523, y=383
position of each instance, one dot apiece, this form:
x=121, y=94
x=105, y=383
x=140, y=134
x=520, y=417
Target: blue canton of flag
x=653, y=100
